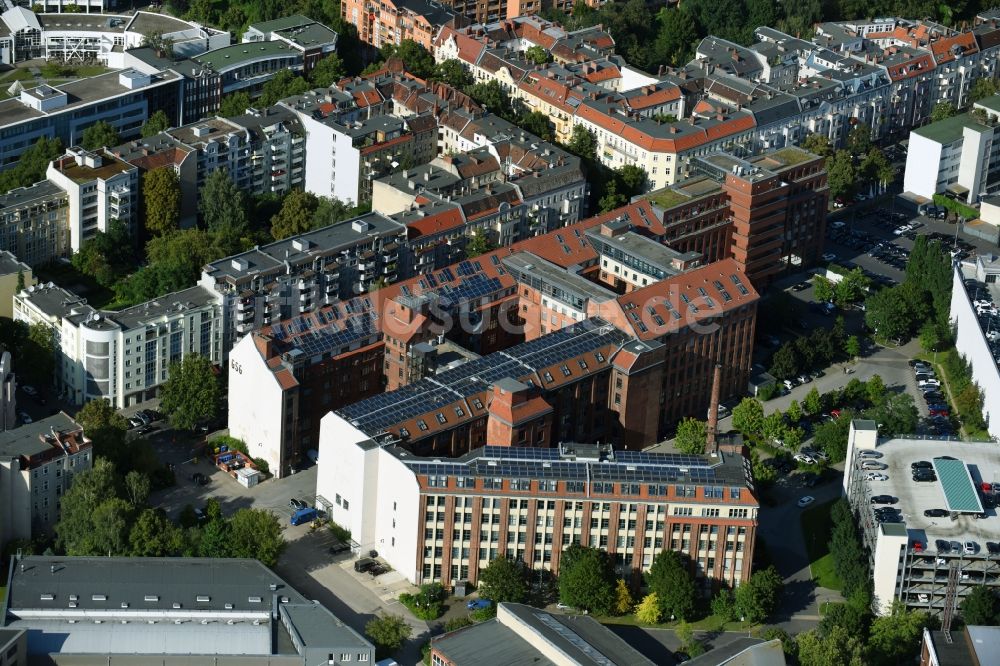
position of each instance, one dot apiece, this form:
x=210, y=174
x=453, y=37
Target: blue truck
x=305, y=515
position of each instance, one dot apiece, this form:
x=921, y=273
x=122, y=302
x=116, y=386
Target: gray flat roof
x=87, y=22
x=178, y=301
x=317, y=626
x=489, y=643
x=55, y=301
x=526, y=263
x=25, y=440
x=641, y=247
x=80, y=93
x=324, y=241
x=21, y=196
x=134, y=579
x=148, y=22
x=236, y=55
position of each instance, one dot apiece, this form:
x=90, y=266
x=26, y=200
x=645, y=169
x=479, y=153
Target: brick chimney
x=712, y=430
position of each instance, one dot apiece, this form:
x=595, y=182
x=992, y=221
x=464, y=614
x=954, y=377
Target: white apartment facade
x=100, y=188
x=37, y=465
x=957, y=155
x=332, y=163
x=8, y=393
x=123, y=356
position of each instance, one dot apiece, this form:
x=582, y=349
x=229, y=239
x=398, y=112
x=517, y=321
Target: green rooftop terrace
x=667, y=198
x=791, y=155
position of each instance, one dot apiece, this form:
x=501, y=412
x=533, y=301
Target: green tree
x=163, y=46
x=191, y=392
x=852, y=287
x=223, y=206
x=327, y=71
x=876, y=168
x=100, y=135
x=109, y=527
x=478, y=243
x=813, y=403
x=942, y=111
x=888, y=312
x=875, y=388
x=859, y=140
x=492, y=96
x=785, y=362
x=75, y=531
x=834, y=647
x=285, y=83
x=724, y=605
x=895, y=638
x=161, y=192
x=631, y=179
x=841, y=175
x=537, y=123
x=982, y=88
x=537, y=55
x=612, y=198
x=980, y=607
x=794, y=412
x=758, y=597
x=31, y=165
x=831, y=437
x=852, y=347
x=388, y=632
x=158, y=122
x=818, y=144
x=773, y=427
x=582, y=143
x=417, y=59
x=587, y=579
x=648, y=611
x=691, y=436
x=137, y=488
x=152, y=535
x=235, y=104
x=256, y=533
x=503, y=580
x=624, y=603
x=453, y=73
x=670, y=579
x=822, y=288
x=677, y=36
x=295, y=216
x=20, y=280
x=748, y=417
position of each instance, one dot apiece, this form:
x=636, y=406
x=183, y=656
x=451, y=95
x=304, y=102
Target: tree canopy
x=503, y=580
x=191, y=393
x=587, y=579
x=673, y=585
x=691, y=436
x=158, y=122
x=32, y=164
x=161, y=192
x=100, y=135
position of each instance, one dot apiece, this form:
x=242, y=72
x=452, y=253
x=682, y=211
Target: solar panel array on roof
x=956, y=482
x=384, y=411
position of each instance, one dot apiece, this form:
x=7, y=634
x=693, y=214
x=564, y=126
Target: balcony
x=244, y=316
x=244, y=328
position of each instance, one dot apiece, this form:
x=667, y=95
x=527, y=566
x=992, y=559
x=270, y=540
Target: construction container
x=248, y=478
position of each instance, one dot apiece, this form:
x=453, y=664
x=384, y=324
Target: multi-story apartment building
x=14, y=275
x=303, y=274
x=124, y=99
x=347, y=147
x=37, y=464
x=75, y=37
x=100, y=188
x=958, y=155
x=34, y=223
x=312, y=38
x=122, y=356
x=8, y=394
x=392, y=21
x=443, y=520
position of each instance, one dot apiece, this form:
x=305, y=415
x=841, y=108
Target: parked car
x=364, y=564
x=829, y=256
x=29, y=389
x=872, y=465
x=478, y=604
x=921, y=464
x=296, y=504
x=199, y=478
x=971, y=547
x=146, y=429
x=870, y=454
x=806, y=501
x=883, y=499
x=936, y=513
x=25, y=417
x=135, y=423
x=804, y=378
x=339, y=548
x=875, y=476
x=803, y=458
x=929, y=382
x=993, y=548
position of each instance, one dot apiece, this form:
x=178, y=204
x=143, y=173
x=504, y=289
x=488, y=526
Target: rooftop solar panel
x=956, y=482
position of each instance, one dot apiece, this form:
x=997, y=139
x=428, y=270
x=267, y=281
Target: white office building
x=122, y=356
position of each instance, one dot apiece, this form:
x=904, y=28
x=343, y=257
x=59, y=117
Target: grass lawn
x=90, y=70
x=19, y=74
x=816, y=528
